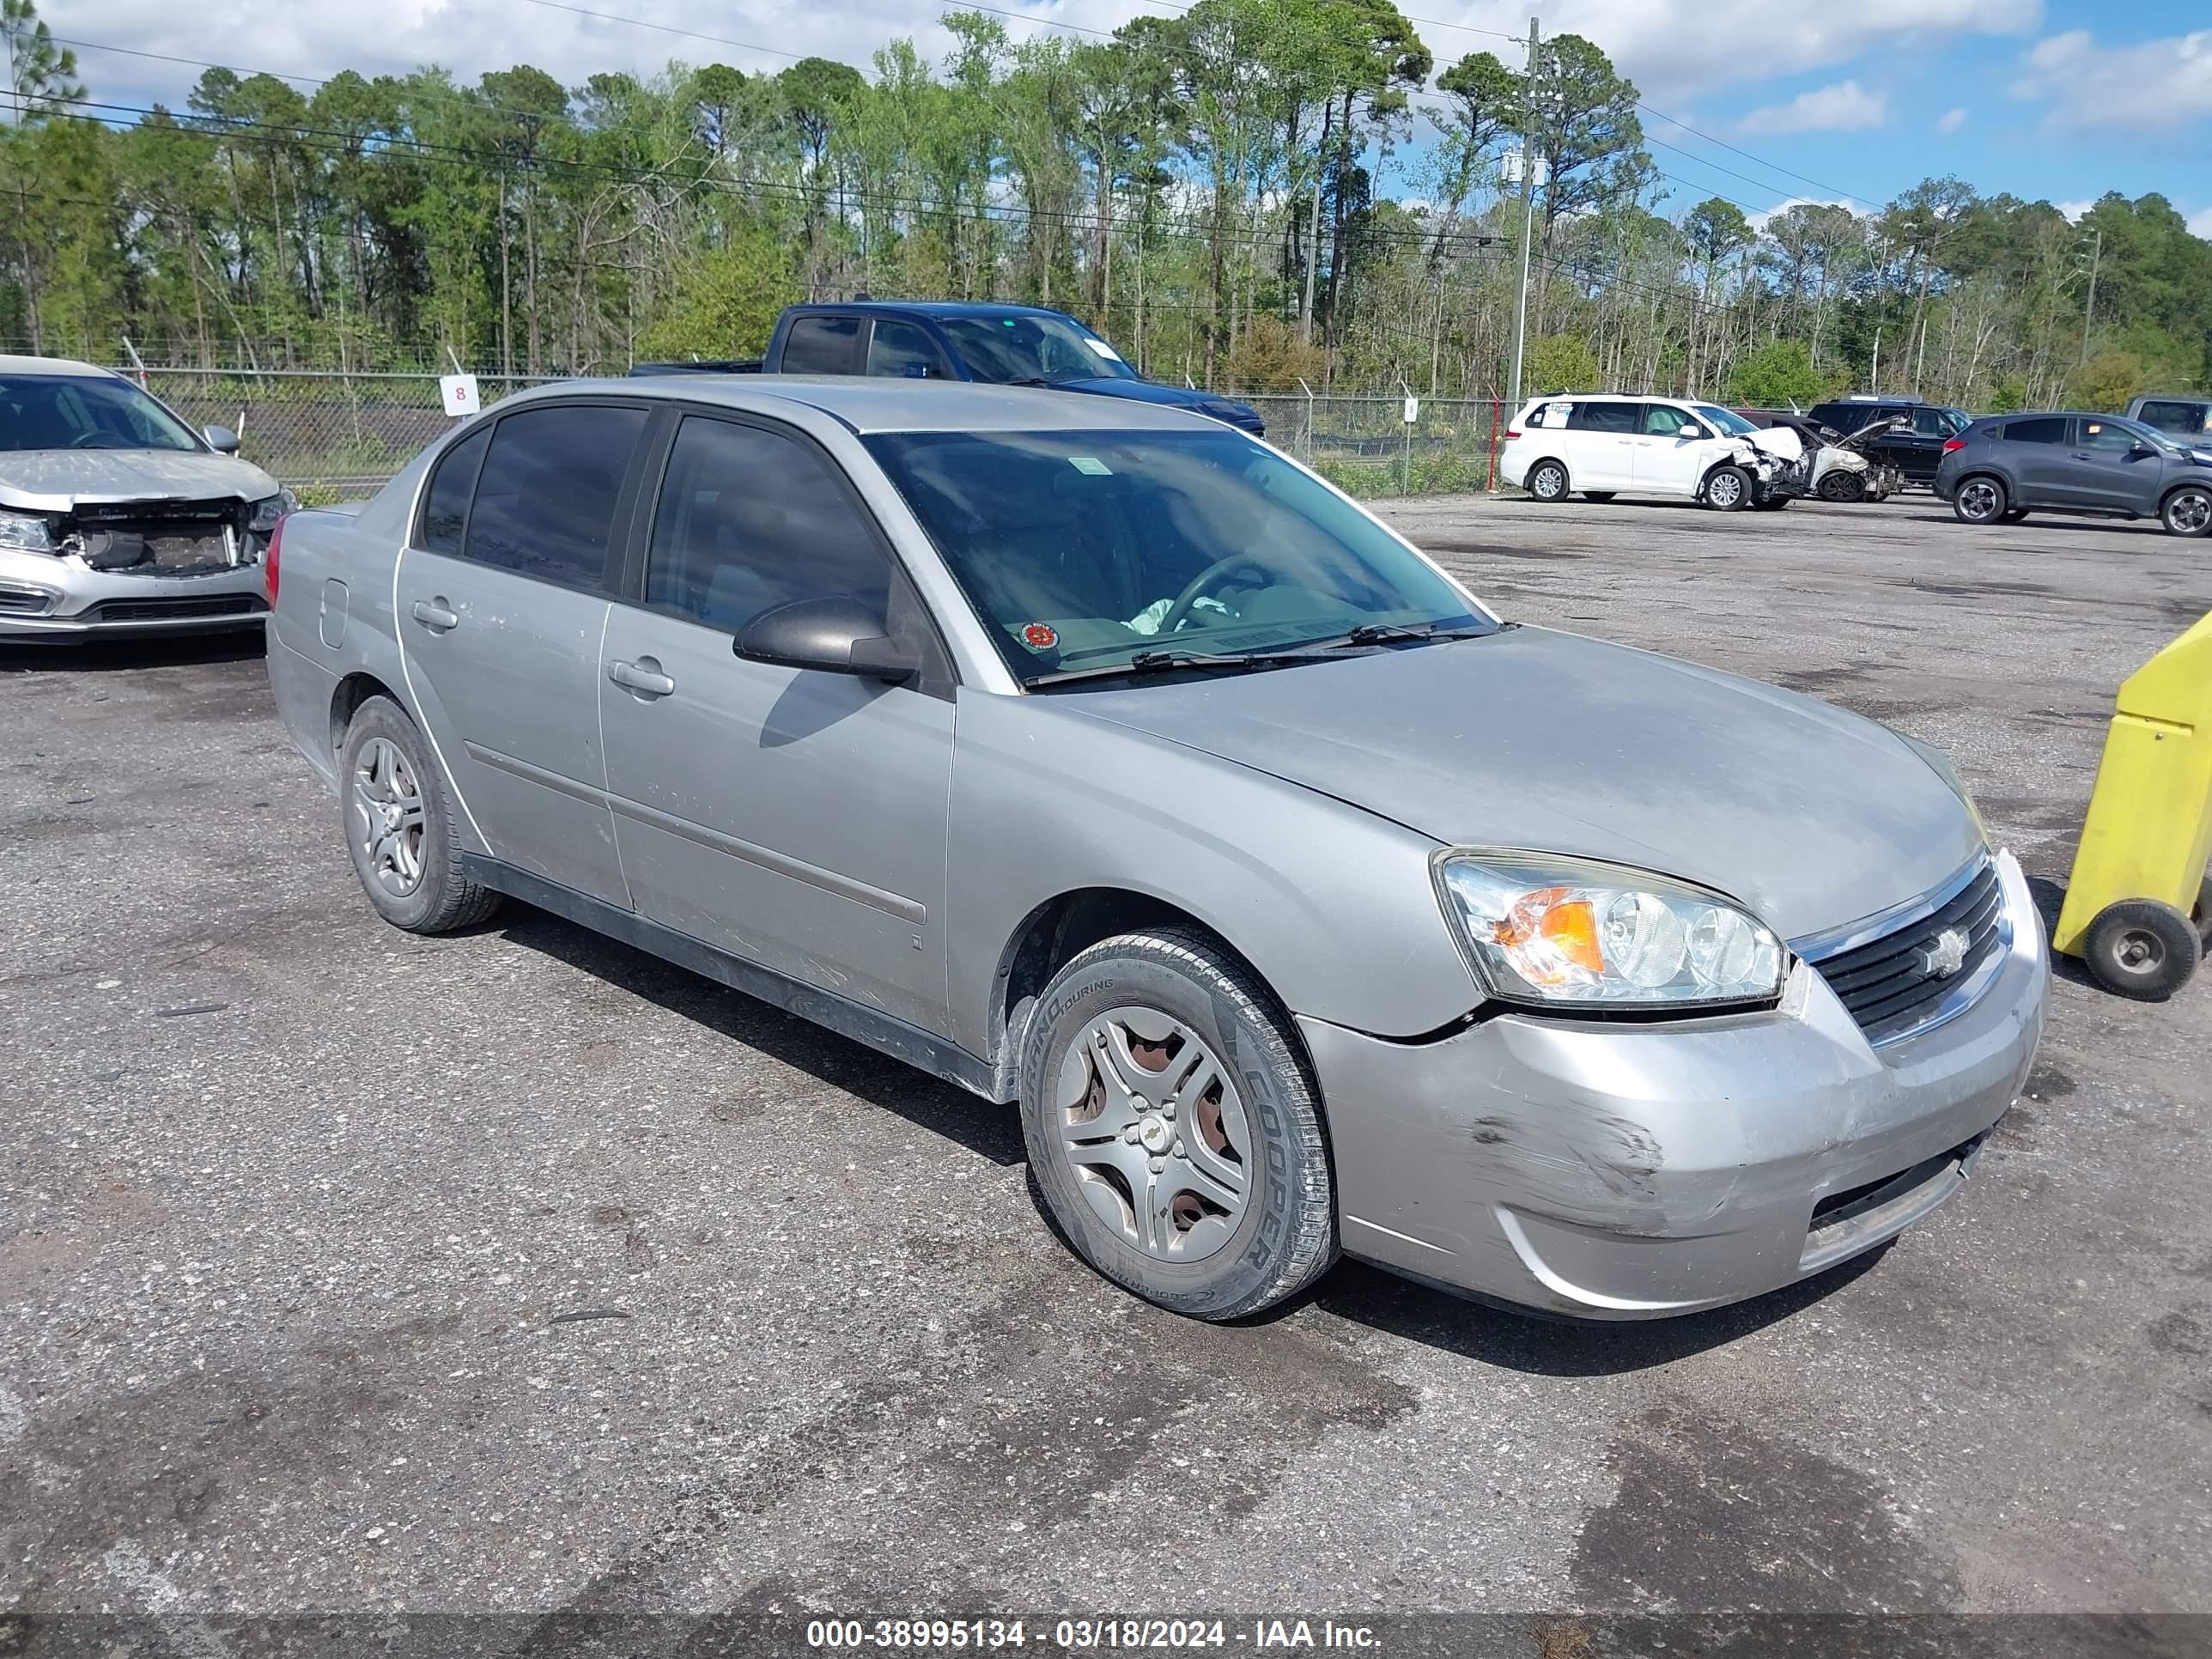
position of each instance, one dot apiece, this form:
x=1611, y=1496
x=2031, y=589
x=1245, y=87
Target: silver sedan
x=1110, y=764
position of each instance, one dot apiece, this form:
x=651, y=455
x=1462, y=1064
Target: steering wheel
x=1202, y=584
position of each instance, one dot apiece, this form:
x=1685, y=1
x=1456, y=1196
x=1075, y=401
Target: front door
x=2107, y=471
x=502, y=597
x=789, y=816
x=1667, y=463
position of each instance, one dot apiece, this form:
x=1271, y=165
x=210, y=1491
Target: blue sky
x=2057, y=98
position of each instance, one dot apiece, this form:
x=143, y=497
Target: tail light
x=268, y=562
x=1950, y=444
x=1511, y=432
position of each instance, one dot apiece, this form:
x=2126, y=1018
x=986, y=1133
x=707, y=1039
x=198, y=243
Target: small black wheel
x=1771, y=504
x=2188, y=510
x=1728, y=489
x=1979, y=500
x=1841, y=486
x=1172, y=1130
x=1598, y=494
x=399, y=818
x=2012, y=515
x=2143, y=948
x=1547, y=481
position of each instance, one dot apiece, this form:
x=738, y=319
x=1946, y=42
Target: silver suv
x=116, y=517
x=1102, y=760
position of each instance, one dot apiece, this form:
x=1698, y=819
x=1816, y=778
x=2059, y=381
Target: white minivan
x=1602, y=444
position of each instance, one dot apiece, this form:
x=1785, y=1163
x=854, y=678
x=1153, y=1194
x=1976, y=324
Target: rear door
x=502, y=597
x=1602, y=445
x=2035, y=451
x=792, y=817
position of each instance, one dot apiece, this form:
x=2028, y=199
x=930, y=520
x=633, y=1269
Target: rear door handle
x=434, y=614
x=647, y=681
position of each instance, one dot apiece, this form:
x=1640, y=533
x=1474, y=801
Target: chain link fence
x=331, y=436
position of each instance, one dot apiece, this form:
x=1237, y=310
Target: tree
x=1777, y=375
x=1483, y=102
x=41, y=76
x=1562, y=362
x=725, y=300
x=1586, y=130
x=1715, y=231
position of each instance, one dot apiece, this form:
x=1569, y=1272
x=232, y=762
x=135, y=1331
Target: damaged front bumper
x=150, y=568
x=1606, y=1170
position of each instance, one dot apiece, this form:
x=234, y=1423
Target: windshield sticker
x=1090, y=466
x=1103, y=348
x=1040, y=636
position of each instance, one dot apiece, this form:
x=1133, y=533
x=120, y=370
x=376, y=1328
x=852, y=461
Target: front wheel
x=1979, y=500
x=1841, y=486
x=1729, y=490
x=2188, y=510
x=2143, y=948
x=1771, y=504
x=399, y=825
x=1547, y=482
x=1172, y=1130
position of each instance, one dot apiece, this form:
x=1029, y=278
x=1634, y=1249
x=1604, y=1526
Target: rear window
x=2044, y=430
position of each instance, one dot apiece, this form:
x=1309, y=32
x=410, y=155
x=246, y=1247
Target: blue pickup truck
x=948, y=340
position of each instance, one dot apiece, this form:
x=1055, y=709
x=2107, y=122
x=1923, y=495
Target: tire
x=409, y=862
x=1598, y=494
x=2014, y=515
x=1727, y=490
x=1547, y=482
x=1771, y=504
x=2142, y=948
x=1841, y=486
x=2187, y=511
x=1218, y=1225
x=1980, y=499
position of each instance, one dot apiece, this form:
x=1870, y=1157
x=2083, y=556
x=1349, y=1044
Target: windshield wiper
x=1396, y=633
x=1162, y=662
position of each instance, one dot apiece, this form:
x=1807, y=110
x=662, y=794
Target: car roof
x=934, y=308
x=893, y=404
x=21, y=367
x=2170, y=398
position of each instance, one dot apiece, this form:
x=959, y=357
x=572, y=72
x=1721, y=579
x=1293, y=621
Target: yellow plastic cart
x=2139, y=904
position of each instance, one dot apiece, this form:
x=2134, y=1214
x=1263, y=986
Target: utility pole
x=1528, y=219
x=2096, y=253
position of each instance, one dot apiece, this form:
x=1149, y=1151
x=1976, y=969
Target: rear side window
x=822, y=345
x=2183, y=420
x=1606, y=417
x=545, y=501
x=1550, y=415
x=446, y=508
x=2044, y=430
x=749, y=519
x=901, y=348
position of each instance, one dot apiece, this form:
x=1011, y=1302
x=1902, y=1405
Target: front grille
x=1892, y=985
x=227, y=605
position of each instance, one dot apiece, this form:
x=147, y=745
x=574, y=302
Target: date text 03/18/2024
x=1111, y=1634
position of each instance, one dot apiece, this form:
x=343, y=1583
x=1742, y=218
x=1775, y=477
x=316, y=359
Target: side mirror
x=1690, y=429
x=2141, y=447
x=836, y=633
x=220, y=438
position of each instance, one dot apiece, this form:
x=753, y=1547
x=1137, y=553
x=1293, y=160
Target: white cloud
x=2073, y=210
x=2200, y=223
x=2154, y=86
x=1847, y=107
x=1952, y=121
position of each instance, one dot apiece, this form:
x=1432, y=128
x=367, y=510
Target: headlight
x=26, y=533
x=1940, y=763
x=266, y=511
x=1545, y=929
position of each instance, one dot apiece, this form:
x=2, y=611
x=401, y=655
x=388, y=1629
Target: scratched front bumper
x=1630, y=1171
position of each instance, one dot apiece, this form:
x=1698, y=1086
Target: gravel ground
x=518, y=1273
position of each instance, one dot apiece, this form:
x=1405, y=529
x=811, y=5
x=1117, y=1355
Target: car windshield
x=86, y=411
x=1726, y=419
x=1025, y=346
x=1087, y=550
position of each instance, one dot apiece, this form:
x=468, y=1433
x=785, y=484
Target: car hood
x=1782, y=440
x=1530, y=739
x=57, y=480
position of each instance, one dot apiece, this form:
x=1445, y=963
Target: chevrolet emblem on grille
x=1947, y=955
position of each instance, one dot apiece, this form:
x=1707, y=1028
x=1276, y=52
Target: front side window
x=903, y=349
x=822, y=345
x=446, y=506
x=85, y=412
x=545, y=501
x=1606, y=417
x=749, y=519
x=1024, y=346
x=1931, y=423
x=2107, y=437
x=1082, y=550
x=1725, y=420
x=2044, y=429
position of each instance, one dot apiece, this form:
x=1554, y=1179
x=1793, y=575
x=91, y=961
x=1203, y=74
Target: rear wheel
x=2142, y=948
x=1597, y=495
x=1173, y=1131
x=399, y=823
x=2188, y=510
x=1547, y=482
x=1979, y=500
x=1728, y=489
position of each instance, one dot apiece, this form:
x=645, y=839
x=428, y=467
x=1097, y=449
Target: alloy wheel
x=1725, y=490
x=2189, y=513
x=388, y=817
x=1157, y=1131
x=1978, y=499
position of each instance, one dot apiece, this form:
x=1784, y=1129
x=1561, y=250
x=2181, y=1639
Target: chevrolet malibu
x=1112, y=766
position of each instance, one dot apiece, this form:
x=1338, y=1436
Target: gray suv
x=2004, y=466
x=1100, y=759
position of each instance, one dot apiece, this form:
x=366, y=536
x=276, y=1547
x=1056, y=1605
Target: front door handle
x=434, y=614
x=643, y=677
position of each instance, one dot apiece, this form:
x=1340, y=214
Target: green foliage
x=2009, y=393
x=1777, y=375
x=725, y=301
x=2107, y=380
x=1562, y=362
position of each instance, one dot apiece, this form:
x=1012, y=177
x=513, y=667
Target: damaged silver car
x=116, y=518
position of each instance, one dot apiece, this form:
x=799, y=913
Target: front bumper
x=43, y=597
x=1628, y=1171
